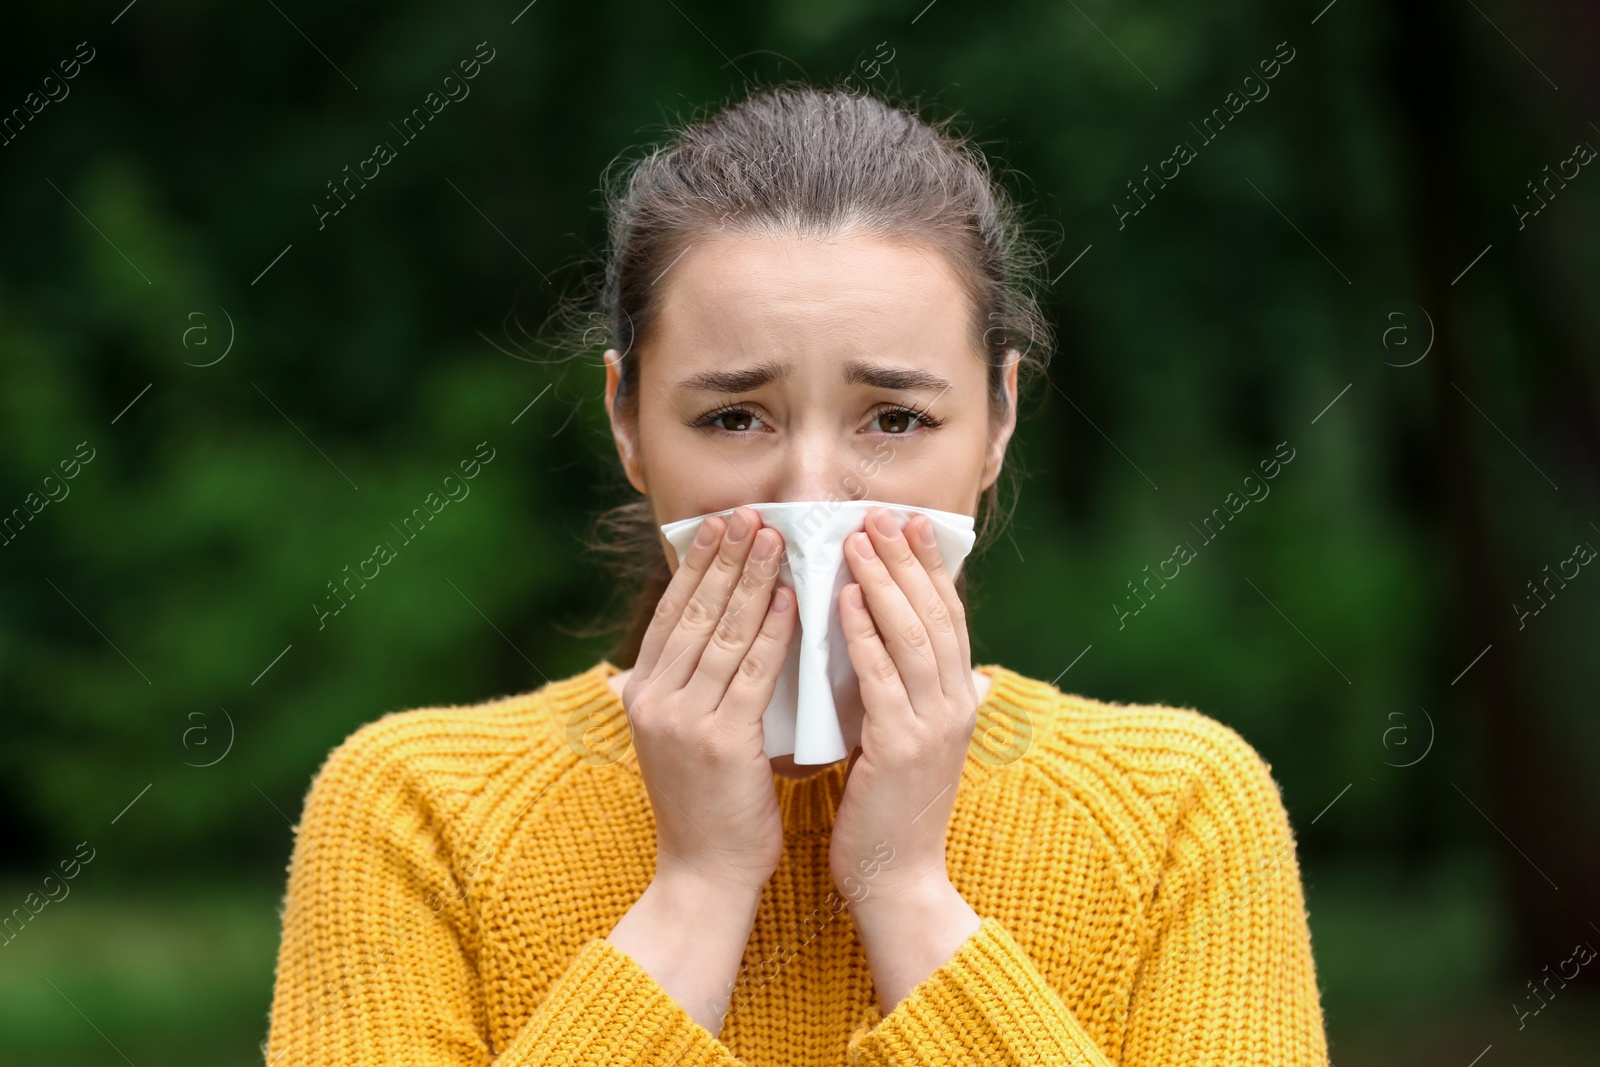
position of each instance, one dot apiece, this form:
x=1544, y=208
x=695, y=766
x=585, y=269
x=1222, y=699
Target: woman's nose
x=819, y=469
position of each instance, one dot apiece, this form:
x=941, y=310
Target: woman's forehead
x=839, y=297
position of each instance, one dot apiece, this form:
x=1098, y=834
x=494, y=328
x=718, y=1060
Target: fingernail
x=780, y=601
x=866, y=547
x=928, y=539
x=854, y=595
x=738, y=526
x=706, y=535
x=886, y=525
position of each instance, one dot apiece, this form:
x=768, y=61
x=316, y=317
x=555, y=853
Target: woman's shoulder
x=461, y=746
x=1148, y=736
x=1141, y=766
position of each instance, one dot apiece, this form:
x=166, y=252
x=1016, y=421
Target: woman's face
x=783, y=369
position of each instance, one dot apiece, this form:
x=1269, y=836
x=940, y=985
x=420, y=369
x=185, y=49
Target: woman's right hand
x=704, y=675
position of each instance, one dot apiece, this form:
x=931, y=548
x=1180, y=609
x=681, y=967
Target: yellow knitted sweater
x=457, y=869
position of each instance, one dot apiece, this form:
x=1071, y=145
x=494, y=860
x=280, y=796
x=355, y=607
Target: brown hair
x=795, y=159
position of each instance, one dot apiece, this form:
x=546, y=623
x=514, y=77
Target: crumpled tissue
x=816, y=710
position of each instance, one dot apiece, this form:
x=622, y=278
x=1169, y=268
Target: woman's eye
x=899, y=421
x=895, y=420
x=730, y=420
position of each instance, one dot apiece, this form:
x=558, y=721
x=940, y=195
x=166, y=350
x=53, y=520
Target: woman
x=610, y=870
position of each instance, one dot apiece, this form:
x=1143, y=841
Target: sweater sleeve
x=1227, y=973
x=988, y=1004
x=377, y=964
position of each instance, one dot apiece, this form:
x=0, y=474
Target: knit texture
x=457, y=869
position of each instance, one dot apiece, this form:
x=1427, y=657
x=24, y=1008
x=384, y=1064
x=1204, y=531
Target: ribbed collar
x=596, y=727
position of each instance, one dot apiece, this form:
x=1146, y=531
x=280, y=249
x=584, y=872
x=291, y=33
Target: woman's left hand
x=911, y=653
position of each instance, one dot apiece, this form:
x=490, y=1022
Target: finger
x=902, y=633
x=748, y=694
x=746, y=611
x=920, y=533
x=903, y=564
x=883, y=693
x=703, y=610
x=907, y=639
x=682, y=586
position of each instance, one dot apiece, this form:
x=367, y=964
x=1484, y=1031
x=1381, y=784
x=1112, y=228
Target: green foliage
x=164, y=607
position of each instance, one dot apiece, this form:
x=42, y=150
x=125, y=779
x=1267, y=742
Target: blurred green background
x=1357, y=265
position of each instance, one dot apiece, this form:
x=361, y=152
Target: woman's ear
x=622, y=431
x=1008, y=423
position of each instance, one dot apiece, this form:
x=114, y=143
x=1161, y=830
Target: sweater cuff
x=605, y=1008
x=988, y=1004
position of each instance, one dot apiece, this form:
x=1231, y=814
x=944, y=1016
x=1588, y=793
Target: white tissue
x=816, y=710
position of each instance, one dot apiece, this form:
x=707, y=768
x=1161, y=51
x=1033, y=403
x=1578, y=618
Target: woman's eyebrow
x=882, y=377
x=856, y=371
x=742, y=380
